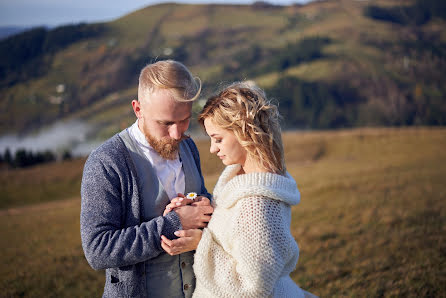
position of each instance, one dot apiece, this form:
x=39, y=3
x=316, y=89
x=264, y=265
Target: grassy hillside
x=368, y=71
x=41, y=183
x=371, y=221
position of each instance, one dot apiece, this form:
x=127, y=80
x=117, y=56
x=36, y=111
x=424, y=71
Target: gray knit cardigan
x=113, y=234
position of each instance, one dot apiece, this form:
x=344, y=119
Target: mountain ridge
x=328, y=62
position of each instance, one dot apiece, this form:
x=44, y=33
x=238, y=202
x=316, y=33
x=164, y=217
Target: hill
x=371, y=221
x=6, y=31
x=329, y=64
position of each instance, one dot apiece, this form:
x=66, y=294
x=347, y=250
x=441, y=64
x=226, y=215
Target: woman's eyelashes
x=216, y=140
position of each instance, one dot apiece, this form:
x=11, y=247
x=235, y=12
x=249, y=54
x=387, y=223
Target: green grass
x=371, y=221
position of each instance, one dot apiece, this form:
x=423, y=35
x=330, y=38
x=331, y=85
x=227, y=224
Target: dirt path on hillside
x=68, y=203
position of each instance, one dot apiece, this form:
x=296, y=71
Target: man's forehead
x=159, y=95
x=164, y=97
x=171, y=118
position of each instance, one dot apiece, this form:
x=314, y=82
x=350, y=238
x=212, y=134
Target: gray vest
x=166, y=276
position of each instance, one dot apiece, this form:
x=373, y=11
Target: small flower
x=191, y=195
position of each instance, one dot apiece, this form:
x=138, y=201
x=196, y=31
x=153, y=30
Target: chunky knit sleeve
x=261, y=248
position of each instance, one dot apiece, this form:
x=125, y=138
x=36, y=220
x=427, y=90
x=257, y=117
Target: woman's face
x=225, y=144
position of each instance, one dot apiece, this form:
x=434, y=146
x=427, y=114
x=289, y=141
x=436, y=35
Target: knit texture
x=247, y=249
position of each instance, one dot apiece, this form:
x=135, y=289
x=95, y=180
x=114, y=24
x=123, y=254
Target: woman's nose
x=213, y=148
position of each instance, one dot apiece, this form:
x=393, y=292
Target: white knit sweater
x=247, y=249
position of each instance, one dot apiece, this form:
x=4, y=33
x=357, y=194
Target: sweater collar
x=232, y=187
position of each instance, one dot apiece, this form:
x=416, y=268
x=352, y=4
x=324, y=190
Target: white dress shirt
x=170, y=172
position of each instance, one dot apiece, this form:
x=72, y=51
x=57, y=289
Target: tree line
x=418, y=13
x=23, y=158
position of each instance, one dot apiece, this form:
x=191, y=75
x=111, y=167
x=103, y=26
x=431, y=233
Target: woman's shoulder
x=260, y=203
x=228, y=173
x=258, y=185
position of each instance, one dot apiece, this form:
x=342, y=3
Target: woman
x=247, y=249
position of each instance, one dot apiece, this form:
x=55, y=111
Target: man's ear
x=136, y=108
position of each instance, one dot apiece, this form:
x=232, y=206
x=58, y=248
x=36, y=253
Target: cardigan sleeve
x=106, y=242
x=252, y=263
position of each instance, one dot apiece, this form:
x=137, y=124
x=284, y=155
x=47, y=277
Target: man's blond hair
x=172, y=75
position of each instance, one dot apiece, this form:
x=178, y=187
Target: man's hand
x=188, y=241
x=196, y=215
x=201, y=201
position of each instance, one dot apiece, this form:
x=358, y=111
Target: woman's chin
x=226, y=162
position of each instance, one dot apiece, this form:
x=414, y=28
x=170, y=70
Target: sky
x=29, y=13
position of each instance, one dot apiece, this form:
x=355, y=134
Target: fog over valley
x=67, y=135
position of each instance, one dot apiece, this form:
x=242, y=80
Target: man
x=128, y=181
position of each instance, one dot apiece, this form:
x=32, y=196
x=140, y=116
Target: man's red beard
x=166, y=147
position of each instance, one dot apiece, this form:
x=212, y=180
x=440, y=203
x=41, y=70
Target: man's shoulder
x=111, y=149
x=191, y=144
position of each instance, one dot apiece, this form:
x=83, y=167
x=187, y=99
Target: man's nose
x=175, y=132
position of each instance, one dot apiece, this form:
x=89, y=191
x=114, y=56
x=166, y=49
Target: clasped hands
x=194, y=214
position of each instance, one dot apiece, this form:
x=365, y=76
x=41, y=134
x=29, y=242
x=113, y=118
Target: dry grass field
x=371, y=223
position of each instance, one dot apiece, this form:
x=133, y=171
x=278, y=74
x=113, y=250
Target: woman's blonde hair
x=169, y=74
x=244, y=109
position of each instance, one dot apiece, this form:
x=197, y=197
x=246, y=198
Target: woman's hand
x=176, y=202
x=188, y=240
x=182, y=200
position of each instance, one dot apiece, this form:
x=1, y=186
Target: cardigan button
x=183, y=265
x=186, y=287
